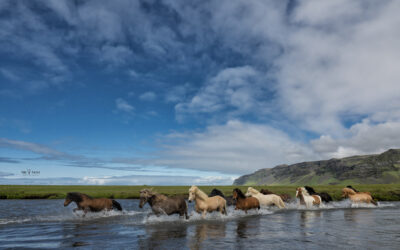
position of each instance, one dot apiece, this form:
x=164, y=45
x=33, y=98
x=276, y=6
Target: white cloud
x=32, y=147
x=363, y=138
x=148, y=96
x=123, y=105
x=235, y=147
x=235, y=91
x=9, y=178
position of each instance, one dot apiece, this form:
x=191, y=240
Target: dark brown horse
x=243, y=202
x=86, y=203
x=161, y=204
x=285, y=197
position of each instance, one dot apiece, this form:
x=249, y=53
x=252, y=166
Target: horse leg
x=203, y=215
x=85, y=210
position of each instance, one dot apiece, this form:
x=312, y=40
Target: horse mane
x=216, y=192
x=304, y=191
x=198, y=192
x=349, y=186
x=266, y=191
x=154, y=194
x=239, y=193
x=77, y=197
x=253, y=190
x=348, y=191
x=310, y=190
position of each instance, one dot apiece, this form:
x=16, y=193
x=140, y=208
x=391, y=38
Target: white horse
x=266, y=199
x=307, y=199
x=206, y=204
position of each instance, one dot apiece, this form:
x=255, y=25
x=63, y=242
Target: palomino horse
x=87, y=203
x=243, y=202
x=266, y=200
x=307, y=199
x=360, y=197
x=324, y=196
x=285, y=197
x=229, y=199
x=161, y=204
x=206, y=204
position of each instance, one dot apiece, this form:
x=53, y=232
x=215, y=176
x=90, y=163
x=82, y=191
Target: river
x=48, y=224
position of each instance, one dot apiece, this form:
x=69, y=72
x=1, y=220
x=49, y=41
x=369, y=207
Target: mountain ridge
x=381, y=168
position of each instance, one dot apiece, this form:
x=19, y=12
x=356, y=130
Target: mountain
x=366, y=169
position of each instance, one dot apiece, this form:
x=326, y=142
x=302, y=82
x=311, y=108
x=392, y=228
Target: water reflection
x=206, y=231
x=163, y=236
x=241, y=229
x=307, y=218
x=73, y=233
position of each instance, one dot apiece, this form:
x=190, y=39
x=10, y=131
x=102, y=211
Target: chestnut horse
x=307, y=199
x=206, y=204
x=87, y=203
x=266, y=200
x=161, y=204
x=360, y=197
x=285, y=197
x=243, y=202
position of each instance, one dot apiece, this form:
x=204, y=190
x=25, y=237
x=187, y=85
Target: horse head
x=192, y=193
x=237, y=193
x=299, y=192
x=145, y=194
x=347, y=191
x=73, y=196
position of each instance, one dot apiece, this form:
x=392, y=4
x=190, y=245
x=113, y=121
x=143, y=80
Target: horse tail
x=116, y=205
x=225, y=210
x=185, y=209
x=281, y=203
x=374, y=202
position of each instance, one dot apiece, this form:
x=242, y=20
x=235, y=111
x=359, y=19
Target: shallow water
x=47, y=224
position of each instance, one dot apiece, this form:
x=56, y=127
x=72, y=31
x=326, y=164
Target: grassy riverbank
x=382, y=192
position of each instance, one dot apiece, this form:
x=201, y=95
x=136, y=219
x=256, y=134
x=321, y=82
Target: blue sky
x=192, y=92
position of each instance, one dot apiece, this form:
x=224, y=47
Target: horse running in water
x=324, y=196
x=206, y=204
x=243, y=202
x=161, y=204
x=285, y=197
x=360, y=197
x=86, y=203
x=307, y=199
x=229, y=199
x=266, y=200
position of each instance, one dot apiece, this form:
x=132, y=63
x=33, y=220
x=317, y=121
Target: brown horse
x=87, y=203
x=360, y=197
x=161, y=204
x=285, y=197
x=243, y=202
x=307, y=199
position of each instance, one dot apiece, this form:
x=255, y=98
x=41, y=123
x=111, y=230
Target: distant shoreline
x=381, y=192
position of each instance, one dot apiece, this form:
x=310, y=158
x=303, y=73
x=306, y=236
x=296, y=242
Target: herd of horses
x=216, y=201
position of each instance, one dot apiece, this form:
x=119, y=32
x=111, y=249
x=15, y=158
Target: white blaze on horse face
x=297, y=193
x=191, y=195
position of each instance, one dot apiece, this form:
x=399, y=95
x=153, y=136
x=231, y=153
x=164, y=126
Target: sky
x=178, y=92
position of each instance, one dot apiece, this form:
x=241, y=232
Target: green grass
x=382, y=192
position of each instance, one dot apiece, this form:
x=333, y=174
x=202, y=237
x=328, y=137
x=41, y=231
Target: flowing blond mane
x=253, y=190
x=198, y=192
